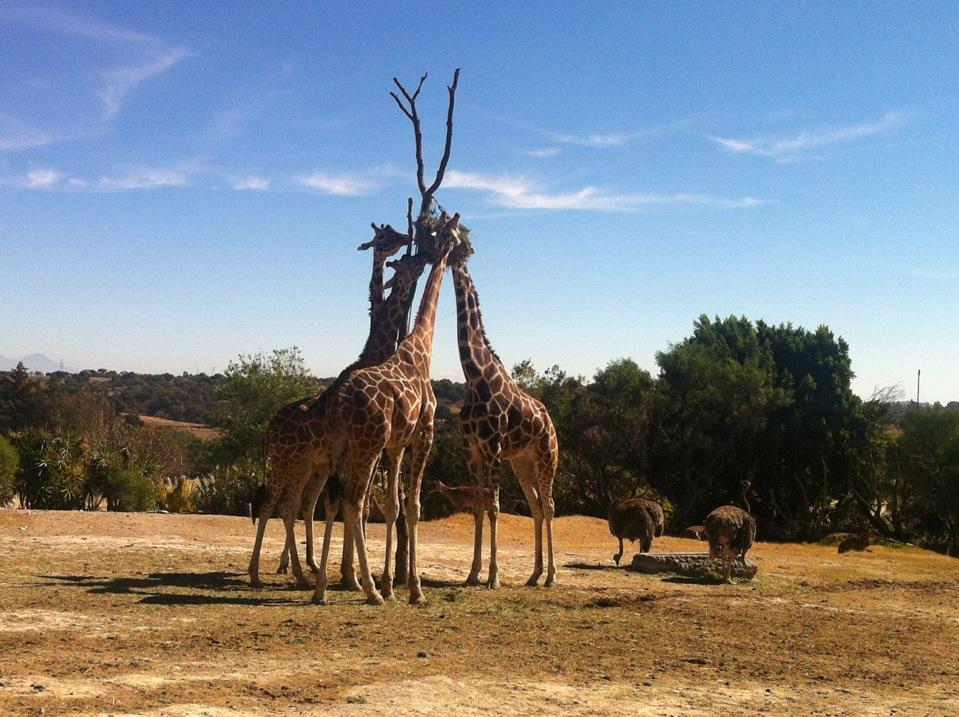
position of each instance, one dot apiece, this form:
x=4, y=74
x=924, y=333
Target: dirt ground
x=123, y=614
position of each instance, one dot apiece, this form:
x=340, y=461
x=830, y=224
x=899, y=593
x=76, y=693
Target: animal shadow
x=168, y=588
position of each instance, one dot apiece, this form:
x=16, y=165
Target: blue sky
x=181, y=182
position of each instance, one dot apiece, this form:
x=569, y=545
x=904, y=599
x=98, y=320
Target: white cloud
x=148, y=178
x=260, y=184
x=121, y=81
x=791, y=149
x=43, y=178
x=613, y=139
x=345, y=185
x=543, y=152
x=522, y=193
x=16, y=136
x=149, y=56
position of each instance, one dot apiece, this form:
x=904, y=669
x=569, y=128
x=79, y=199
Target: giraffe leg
x=492, y=580
x=474, y=463
x=308, y=509
x=352, y=518
x=273, y=492
x=422, y=443
x=619, y=553
x=319, y=594
x=473, y=577
x=402, y=539
x=284, y=567
x=348, y=579
x=391, y=509
x=525, y=475
x=549, y=510
x=289, y=519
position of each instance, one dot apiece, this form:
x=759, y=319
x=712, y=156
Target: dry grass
x=199, y=430
x=152, y=614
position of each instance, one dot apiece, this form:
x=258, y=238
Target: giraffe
x=472, y=499
x=388, y=320
x=291, y=486
x=388, y=408
x=500, y=421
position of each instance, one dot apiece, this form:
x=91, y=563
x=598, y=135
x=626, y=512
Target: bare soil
x=123, y=614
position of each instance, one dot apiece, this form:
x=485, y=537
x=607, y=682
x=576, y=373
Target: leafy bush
x=226, y=490
x=177, y=495
x=9, y=464
x=52, y=471
x=127, y=490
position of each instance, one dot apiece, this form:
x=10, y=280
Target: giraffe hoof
x=282, y=570
x=533, y=581
x=351, y=585
x=550, y=581
x=472, y=581
x=417, y=600
x=255, y=583
x=304, y=584
x=319, y=600
x=493, y=584
x=374, y=599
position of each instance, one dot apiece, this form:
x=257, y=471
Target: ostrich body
x=632, y=520
x=731, y=532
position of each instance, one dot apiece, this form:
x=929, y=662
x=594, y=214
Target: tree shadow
x=152, y=588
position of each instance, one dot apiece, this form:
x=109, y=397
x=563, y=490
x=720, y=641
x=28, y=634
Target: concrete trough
x=694, y=565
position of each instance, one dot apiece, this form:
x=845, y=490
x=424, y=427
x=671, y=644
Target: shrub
x=52, y=471
x=226, y=490
x=127, y=490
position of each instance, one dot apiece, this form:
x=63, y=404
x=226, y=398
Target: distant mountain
x=33, y=362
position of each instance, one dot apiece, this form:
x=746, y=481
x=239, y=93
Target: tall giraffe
x=500, y=421
x=388, y=408
x=291, y=487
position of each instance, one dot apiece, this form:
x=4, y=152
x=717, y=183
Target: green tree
x=9, y=465
x=254, y=388
x=24, y=401
x=929, y=453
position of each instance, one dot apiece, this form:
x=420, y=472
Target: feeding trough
x=694, y=565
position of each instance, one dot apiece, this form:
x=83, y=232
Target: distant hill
x=34, y=362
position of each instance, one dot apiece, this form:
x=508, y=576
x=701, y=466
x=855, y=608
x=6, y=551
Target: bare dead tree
x=408, y=106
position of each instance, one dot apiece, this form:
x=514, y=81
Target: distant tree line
x=738, y=412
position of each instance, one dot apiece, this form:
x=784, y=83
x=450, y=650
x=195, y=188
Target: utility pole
x=918, y=377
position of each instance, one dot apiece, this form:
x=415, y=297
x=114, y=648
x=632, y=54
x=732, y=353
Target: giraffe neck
x=387, y=325
x=376, y=284
x=475, y=351
x=422, y=334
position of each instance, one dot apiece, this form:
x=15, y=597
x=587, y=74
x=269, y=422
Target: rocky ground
x=121, y=614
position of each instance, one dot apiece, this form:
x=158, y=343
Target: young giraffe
x=500, y=421
x=292, y=487
x=472, y=499
x=387, y=408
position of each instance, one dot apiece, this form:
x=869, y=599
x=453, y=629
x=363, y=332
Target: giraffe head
x=444, y=237
x=406, y=271
x=386, y=242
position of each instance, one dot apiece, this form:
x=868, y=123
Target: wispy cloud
x=522, y=193
x=16, y=136
x=346, y=185
x=543, y=152
x=612, y=139
x=791, y=149
x=147, y=178
x=260, y=184
x=43, y=178
x=121, y=81
x=148, y=56
x=940, y=273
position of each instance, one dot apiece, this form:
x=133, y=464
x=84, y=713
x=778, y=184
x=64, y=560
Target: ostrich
x=632, y=520
x=859, y=542
x=730, y=531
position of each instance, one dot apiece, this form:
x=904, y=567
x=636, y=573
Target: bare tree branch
x=409, y=223
x=417, y=130
x=449, y=138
